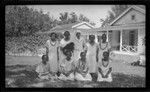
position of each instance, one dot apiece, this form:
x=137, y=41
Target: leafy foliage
x=22, y=44
x=21, y=20
x=116, y=10
x=67, y=18
x=22, y=23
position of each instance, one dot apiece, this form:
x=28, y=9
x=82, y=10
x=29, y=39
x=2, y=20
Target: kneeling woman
x=82, y=70
x=67, y=65
x=43, y=69
x=104, y=72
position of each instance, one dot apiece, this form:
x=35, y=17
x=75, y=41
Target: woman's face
x=53, y=38
x=69, y=55
x=67, y=36
x=91, y=38
x=106, y=55
x=78, y=35
x=104, y=38
x=45, y=60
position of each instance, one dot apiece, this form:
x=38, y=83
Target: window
x=132, y=17
x=132, y=38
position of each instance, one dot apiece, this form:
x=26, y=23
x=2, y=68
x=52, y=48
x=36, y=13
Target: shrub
x=17, y=45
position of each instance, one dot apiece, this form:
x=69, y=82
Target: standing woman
x=92, y=48
x=66, y=40
x=51, y=51
x=79, y=46
x=103, y=46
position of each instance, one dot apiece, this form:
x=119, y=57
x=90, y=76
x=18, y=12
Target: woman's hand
x=47, y=50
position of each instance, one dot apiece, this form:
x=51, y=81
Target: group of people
x=74, y=58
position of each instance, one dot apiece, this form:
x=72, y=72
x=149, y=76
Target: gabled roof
x=71, y=26
x=82, y=23
x=142, y=10
x=65, y=26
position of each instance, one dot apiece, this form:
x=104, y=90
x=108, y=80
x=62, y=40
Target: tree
x=23, y=21
x=83, y=18
x=64, y=18
x=92, y=23
x=116, y=10
x=74, y=17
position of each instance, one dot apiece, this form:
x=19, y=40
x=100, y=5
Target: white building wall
x=126, y=19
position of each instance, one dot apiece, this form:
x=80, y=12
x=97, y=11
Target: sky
x=93, y=12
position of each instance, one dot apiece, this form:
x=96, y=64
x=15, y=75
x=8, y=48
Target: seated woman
x=43, y=69
x=104, y=72
x=67, y=67
x=82, y=71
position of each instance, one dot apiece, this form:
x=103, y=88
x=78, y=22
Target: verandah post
x=121, y=40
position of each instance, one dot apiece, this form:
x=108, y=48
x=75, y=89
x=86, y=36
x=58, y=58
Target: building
x=129, y=35
x=126, y=33
x=73, y=28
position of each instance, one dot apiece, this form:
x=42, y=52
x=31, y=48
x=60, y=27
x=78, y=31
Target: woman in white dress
x=82, y=70
x=92, y=49
x=43, y=69
x=66, y=40
x=67, y=66
x=79, y=46
x=104, y=70
x=52, y=52
x=103, y=46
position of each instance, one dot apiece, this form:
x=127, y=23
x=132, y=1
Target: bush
x=26, y=44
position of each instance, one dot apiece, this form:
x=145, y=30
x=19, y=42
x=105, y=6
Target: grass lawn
x=20, y=74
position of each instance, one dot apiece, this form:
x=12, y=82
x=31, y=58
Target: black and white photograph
x=75, y=46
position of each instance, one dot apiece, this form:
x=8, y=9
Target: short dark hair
x=53, y=34
x=68, y=47
x=91, y=36
x=66, y=33
x=45, y=57
x=78, y=33
x=105, y=54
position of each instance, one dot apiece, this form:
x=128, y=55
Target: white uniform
x=82, y=68
x=104, y=71
x=63, y=43
x=53, y=55
x=79, y=47
x=43, y=71
x=65, y=67
x=102, y=48
x=91, y=57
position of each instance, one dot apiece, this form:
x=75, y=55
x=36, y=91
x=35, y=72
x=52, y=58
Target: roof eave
x=83, y=23
x=126, y=11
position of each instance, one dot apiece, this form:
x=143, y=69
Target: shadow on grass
x=25, y=77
